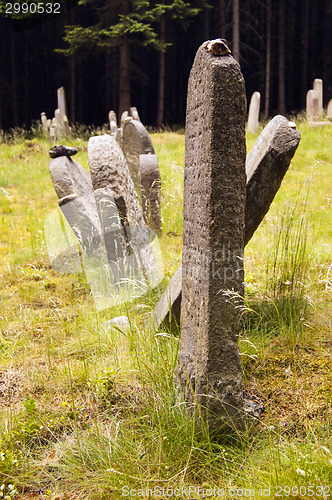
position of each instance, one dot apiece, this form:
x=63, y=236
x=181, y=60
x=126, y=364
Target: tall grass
x=86, y=411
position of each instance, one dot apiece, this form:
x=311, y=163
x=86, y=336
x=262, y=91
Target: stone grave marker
x=113, y=122
x=109, y=171
x=135, y=142
x=125, y=116
x=312, y=105
x=134, y=113
x=329, y=110
x=62, y=101
x=45, y=122
x=209, y=370
x=253, y=115
x=150, y=191
x=318, y=87
x=73, y=186
x=266, y=165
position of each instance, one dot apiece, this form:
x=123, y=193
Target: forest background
x=113, y=54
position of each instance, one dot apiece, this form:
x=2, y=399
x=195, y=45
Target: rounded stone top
x=217, y=47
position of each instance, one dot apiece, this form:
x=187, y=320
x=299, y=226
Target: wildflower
x=300, y=472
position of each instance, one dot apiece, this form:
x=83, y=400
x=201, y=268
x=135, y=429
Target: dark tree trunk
x=108, y=80
x=206, y=24
x=13, y=77
x=305, y=51
x=327, y=31
x=161, y=82
x=281, y=65
x=222, y=18
x=236, y=30
x=72, y=90
x=268, y=60
x=124, y=79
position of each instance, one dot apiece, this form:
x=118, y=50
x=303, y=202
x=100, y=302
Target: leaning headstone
x=73, y=186
x=253, y=115
x=329, y=110
x=69, y=177
x=318, y=87
x=62, y=101
x=134, y=113
x=109, y=170
x=266, y=165
x=209, y=370
x=312, y=105
x=135, y=142
x=168, y=308
x=150, y=191
x=81, y=213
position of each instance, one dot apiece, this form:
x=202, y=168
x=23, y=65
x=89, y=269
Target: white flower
x=300, y=472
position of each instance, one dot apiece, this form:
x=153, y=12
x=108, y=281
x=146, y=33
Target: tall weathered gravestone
x=109, y=171
x=253, y=115
x=209, y=368
x=61, y=95
x=266, y=165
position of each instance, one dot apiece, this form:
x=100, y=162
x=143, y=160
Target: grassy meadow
x=89, y=413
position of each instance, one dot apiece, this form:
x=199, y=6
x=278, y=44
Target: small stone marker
x=134, y=113
x=135, y=141
x=329, y=110
x=112, y=116
x=150, y=191
x=62, y=101
x=312, y=105
x=45, y=122
x=209, y=368
x=113, y=122
x=124, y=117
x=121, y=322
x=53, y=130
x=266, y=165
x=318, y=87
x=253, y=115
